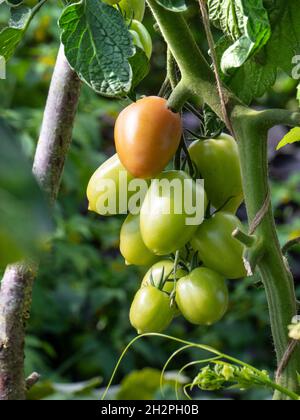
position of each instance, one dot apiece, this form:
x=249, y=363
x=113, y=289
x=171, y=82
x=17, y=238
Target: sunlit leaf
x=292, y=136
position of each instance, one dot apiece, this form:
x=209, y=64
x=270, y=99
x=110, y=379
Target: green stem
x=274, y=272
x=250, y=129
x=195, y=71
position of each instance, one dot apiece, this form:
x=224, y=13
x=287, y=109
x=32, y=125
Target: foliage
x=260, y=71
x=246, y=23
x=25, y=220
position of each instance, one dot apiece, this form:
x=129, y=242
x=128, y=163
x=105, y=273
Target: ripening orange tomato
x=147, y=135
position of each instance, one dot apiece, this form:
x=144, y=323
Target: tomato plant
x=218, y=162
x=151, y=310
x=132, y=246
x=164, y=228
x=147, y=135
x=202, y=296
x=104, y=187
x=254, y=41
x=217, y=248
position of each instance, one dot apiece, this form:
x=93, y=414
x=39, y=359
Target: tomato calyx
x=164, y=279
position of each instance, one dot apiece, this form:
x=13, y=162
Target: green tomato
x=106, y=186
x=133, y=9
x=202, y=296
x=166, y=225
x=132, y=246
x=141, y=37
x=218, y=163
x=151, y=310
x=166, y=268
x=217, y=248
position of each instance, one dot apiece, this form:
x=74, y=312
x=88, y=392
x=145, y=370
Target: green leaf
x=298, y=93
x=246, y=22
x=291, y=137
x=98, y=46
x=260, y=70
x=11, y=36
x=173, y=5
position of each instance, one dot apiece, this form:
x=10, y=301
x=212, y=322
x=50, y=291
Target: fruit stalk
x=17, y=283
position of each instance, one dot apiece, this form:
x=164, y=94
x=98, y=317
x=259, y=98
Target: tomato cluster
x=188, y=264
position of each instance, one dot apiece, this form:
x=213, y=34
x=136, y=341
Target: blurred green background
x=79, y=323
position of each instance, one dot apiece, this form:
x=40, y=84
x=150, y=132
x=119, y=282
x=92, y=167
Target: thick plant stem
x=17, y=283
x=196, y=72
x=274, y=271
x=250, y=129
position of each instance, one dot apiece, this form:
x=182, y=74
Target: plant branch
x=289, y=245
x=171, y=69
x=247, y=240
x=211, y=44
x=57, y=127
x=271, y=117
x=17, y=283
x=254, y=250
x=15, y=301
